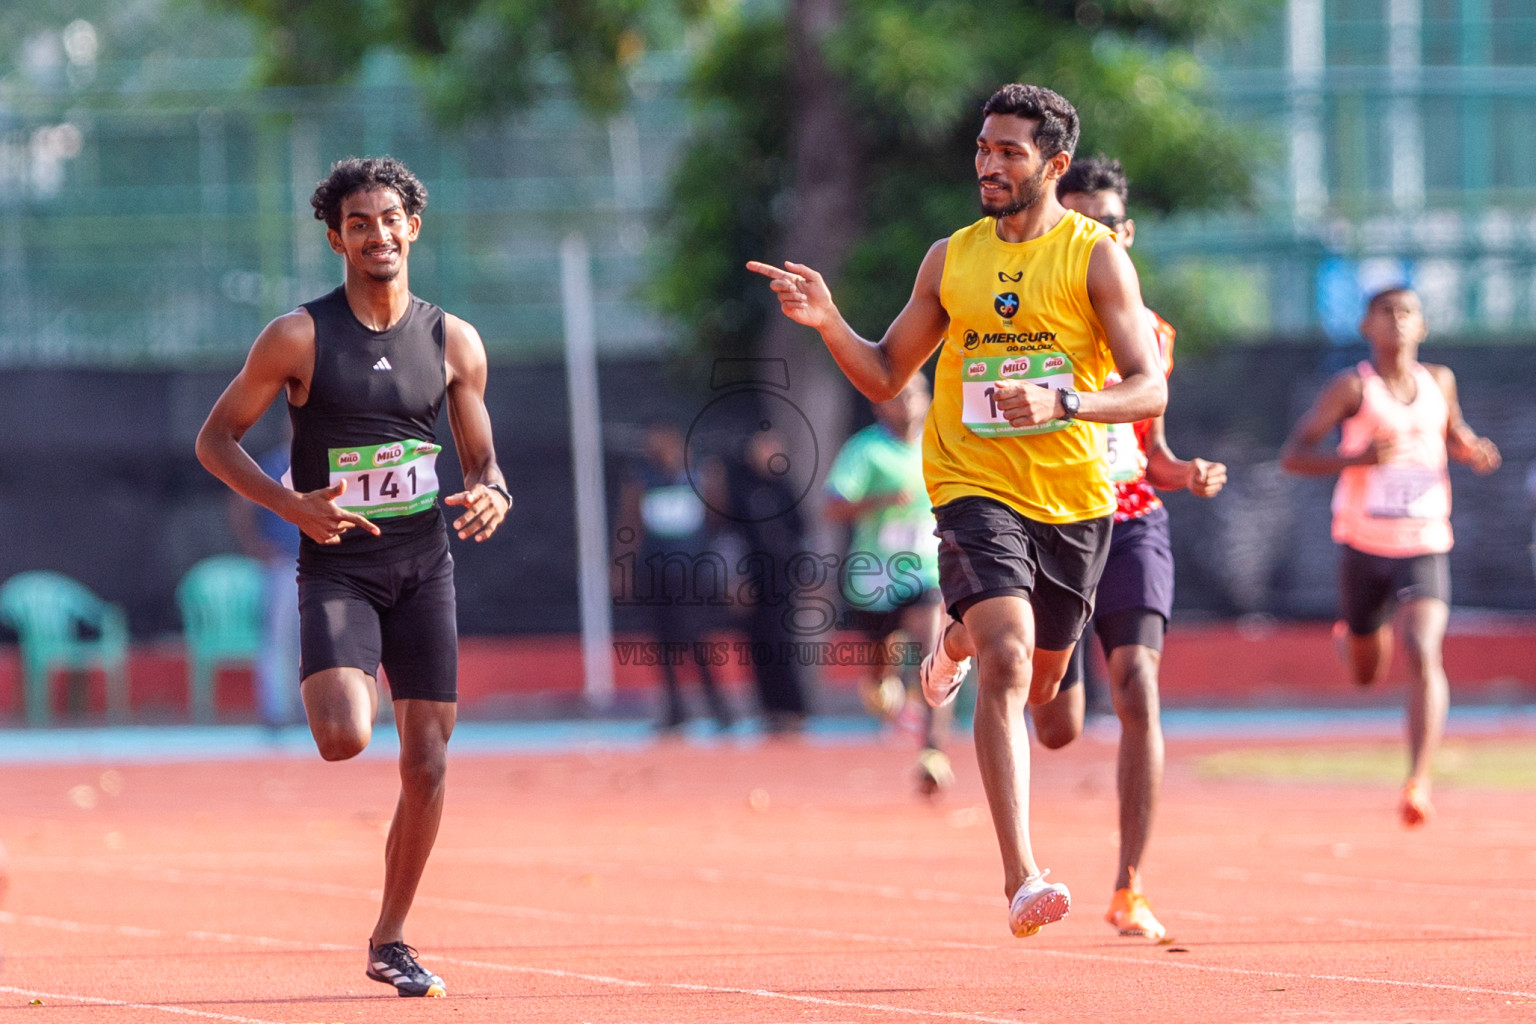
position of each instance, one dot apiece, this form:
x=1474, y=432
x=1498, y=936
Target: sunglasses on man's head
x=1113, y=223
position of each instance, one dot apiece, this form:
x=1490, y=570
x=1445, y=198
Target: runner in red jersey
x=1135, y=595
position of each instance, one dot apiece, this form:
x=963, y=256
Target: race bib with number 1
x=386, y=480
x=981, y=375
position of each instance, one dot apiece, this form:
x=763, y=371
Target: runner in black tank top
x=371, y=388
x=366, y=370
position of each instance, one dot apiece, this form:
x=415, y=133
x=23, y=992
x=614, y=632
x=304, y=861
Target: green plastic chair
x=54, y=617
x=223, y=608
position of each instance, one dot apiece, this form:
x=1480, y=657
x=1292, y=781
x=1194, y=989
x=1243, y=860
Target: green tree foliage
x=913, y=73
x=476, y=57
x=917, y=74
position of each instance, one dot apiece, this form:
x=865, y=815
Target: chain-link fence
x=164, y=226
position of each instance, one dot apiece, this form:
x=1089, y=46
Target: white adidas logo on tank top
x=383, y=364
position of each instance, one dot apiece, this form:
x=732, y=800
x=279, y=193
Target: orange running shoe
x=1414, y=807
x=1131, y=914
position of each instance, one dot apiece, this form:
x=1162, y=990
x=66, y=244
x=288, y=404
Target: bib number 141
x=396, y=479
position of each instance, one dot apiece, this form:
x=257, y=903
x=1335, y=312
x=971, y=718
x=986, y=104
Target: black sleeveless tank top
x=370, y=388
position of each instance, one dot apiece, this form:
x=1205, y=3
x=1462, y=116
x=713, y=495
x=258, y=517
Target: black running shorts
x=1135, y=598
x=1134, y=627
x=1370, y=584
x=1139, y=571
x=987, y=549
x=399, y=613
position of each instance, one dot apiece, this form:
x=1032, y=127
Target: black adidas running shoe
x=394, y=963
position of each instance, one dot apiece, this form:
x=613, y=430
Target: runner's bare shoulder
x=286, y=347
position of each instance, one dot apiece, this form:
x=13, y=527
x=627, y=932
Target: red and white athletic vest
x=1126, y=451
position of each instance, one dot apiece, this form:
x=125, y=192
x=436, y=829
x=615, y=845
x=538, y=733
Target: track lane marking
x=218, y=878
x=102, y=1001
x=475, y=906
x=135, y=931
x=1321, y=879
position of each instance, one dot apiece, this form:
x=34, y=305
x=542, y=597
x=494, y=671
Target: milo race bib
x=1122, y=456
x=980, y=376
x=385, y=480
x=1406, y=492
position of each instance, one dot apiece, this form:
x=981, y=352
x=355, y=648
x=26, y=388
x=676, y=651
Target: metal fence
x=1404, y=137
x=163, y=223
x=155, y=212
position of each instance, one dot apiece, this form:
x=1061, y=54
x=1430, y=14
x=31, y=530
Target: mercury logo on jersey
x=1035, y=339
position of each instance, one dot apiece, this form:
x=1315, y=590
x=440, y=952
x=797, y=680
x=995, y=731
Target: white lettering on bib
x=980, y=376
x=387, y=480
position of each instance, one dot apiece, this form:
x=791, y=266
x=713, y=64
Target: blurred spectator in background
x=273, y=541
x=673, y=531
x=890, y=579
x=770, y=521
x=1530, y=490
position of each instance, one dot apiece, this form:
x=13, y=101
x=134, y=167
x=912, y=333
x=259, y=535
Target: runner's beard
x=1030, y=192
x=385, y=274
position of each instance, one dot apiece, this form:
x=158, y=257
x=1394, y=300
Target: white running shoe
x=1036, y=904
x=940, y=674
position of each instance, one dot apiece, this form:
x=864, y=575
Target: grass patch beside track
x=1497, y=764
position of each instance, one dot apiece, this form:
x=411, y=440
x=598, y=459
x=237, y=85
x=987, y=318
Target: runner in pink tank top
x=1400, y=423
x=1401, y=506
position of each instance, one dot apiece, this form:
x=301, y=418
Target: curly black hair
x=1058, y=128
x=362, y=174
x=1097, y=173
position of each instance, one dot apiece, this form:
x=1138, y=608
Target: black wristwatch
x=499, y=489
x=1069, y=403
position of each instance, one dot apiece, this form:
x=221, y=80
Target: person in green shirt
x=890, y=578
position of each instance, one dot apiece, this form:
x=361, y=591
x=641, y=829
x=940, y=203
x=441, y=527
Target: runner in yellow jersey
x=1034, y=307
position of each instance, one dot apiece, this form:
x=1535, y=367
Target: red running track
x=646, y=887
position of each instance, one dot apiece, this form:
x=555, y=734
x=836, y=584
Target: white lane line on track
x=501, y=910
x=125, y=1004
x=763, y=993
x=134, y=931
x=102, y=865
x=1318, y=878
x=1293, y=975
x=1413, y=888
x=224, y=880
x=218, y=878
x=1446, y=931
x=227, y=938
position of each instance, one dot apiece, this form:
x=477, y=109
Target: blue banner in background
x=1344, y=284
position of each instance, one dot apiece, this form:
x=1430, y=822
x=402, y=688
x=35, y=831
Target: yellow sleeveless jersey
x=1019, y=310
